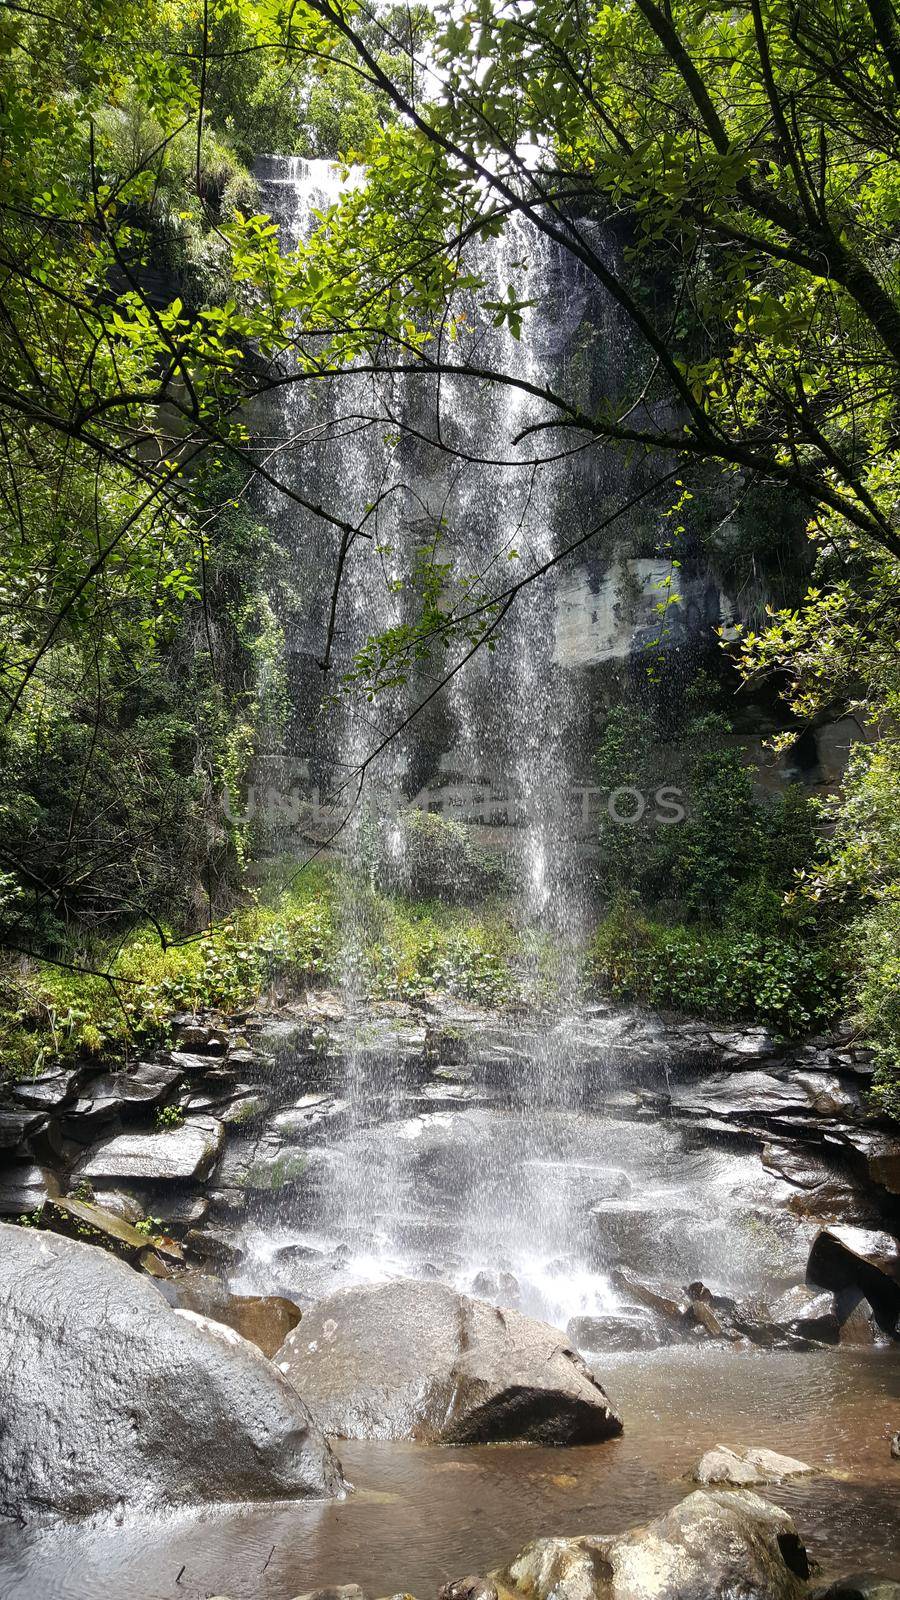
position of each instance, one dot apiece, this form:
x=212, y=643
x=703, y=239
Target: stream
x=419, y=1516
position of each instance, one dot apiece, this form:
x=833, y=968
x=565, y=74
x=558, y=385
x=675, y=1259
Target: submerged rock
x=860, y=1586
x=111, y=1398
x=713, y=1546
x=751, y=1467
x=412, y=1360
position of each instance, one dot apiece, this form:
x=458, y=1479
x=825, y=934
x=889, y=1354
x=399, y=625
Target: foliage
x=879, y=998
x=397, y=949
x=168, y=1118
x=51, y=1012
x=133, y=637
x=859, y=873
x=748, y=155
x=430, y=855
x=704, y=913
x=792, y=985
x=728, y=844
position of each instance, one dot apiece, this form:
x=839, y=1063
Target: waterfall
x=504, y=726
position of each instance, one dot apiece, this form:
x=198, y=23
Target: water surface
x=420, y=1516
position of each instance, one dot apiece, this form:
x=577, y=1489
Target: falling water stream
x=513, y=1176
x=509, y=725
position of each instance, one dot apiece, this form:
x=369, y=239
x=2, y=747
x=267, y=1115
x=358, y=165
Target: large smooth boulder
x=109, y=1397
x=713, y=1546
x=411, y=1360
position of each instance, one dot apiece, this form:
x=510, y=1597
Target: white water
x=509, y=1195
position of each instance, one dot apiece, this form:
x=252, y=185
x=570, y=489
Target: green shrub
x=430, y=855
x=763, y=975
x=879, y=998
x=729, y=841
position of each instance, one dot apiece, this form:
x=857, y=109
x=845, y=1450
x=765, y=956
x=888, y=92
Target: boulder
x=195, y=1035
x=415, y=1360
x=804, y=1314
x=858, y=1323
x=188, y=1151
x=217, y=1244
x=339, y=1591
x=671, y=1304
x=750, y=1468
x=120, y=1204
x=715, y=1545
x=137, y=1088
x=749, y=1043
x=175, y=1208
x=50, y=1090
x=859, y=1259
x=111, y=1398
x=824, y=1191
x=264, y=1319
x=758, y=1095
x=881, y=1154
x=472, y=1588
x=828, y=1095
x=15, y=1126
x=712, y=1320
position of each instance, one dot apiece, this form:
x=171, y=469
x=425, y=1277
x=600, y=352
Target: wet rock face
x=862, y=1262
x=411, y=1360
x=186, y=1152
x=713, y=1546
x=24, y=1187
x=264, y=1319
x=109, y=1397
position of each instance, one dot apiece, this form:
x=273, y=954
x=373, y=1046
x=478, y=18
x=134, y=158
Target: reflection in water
x=421, y=1516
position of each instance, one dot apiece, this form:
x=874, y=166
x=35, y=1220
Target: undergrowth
x=763, y=975
x=388, y=947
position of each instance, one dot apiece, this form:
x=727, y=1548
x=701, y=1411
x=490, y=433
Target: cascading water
x=507, y=1175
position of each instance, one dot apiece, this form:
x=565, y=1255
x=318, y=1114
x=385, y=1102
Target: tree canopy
x=743, y=156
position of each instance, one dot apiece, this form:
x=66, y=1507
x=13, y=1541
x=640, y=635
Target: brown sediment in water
x=421, y=1516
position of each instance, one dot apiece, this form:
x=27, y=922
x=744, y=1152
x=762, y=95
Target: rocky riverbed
x=417, y=1226
x=671, y=1182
